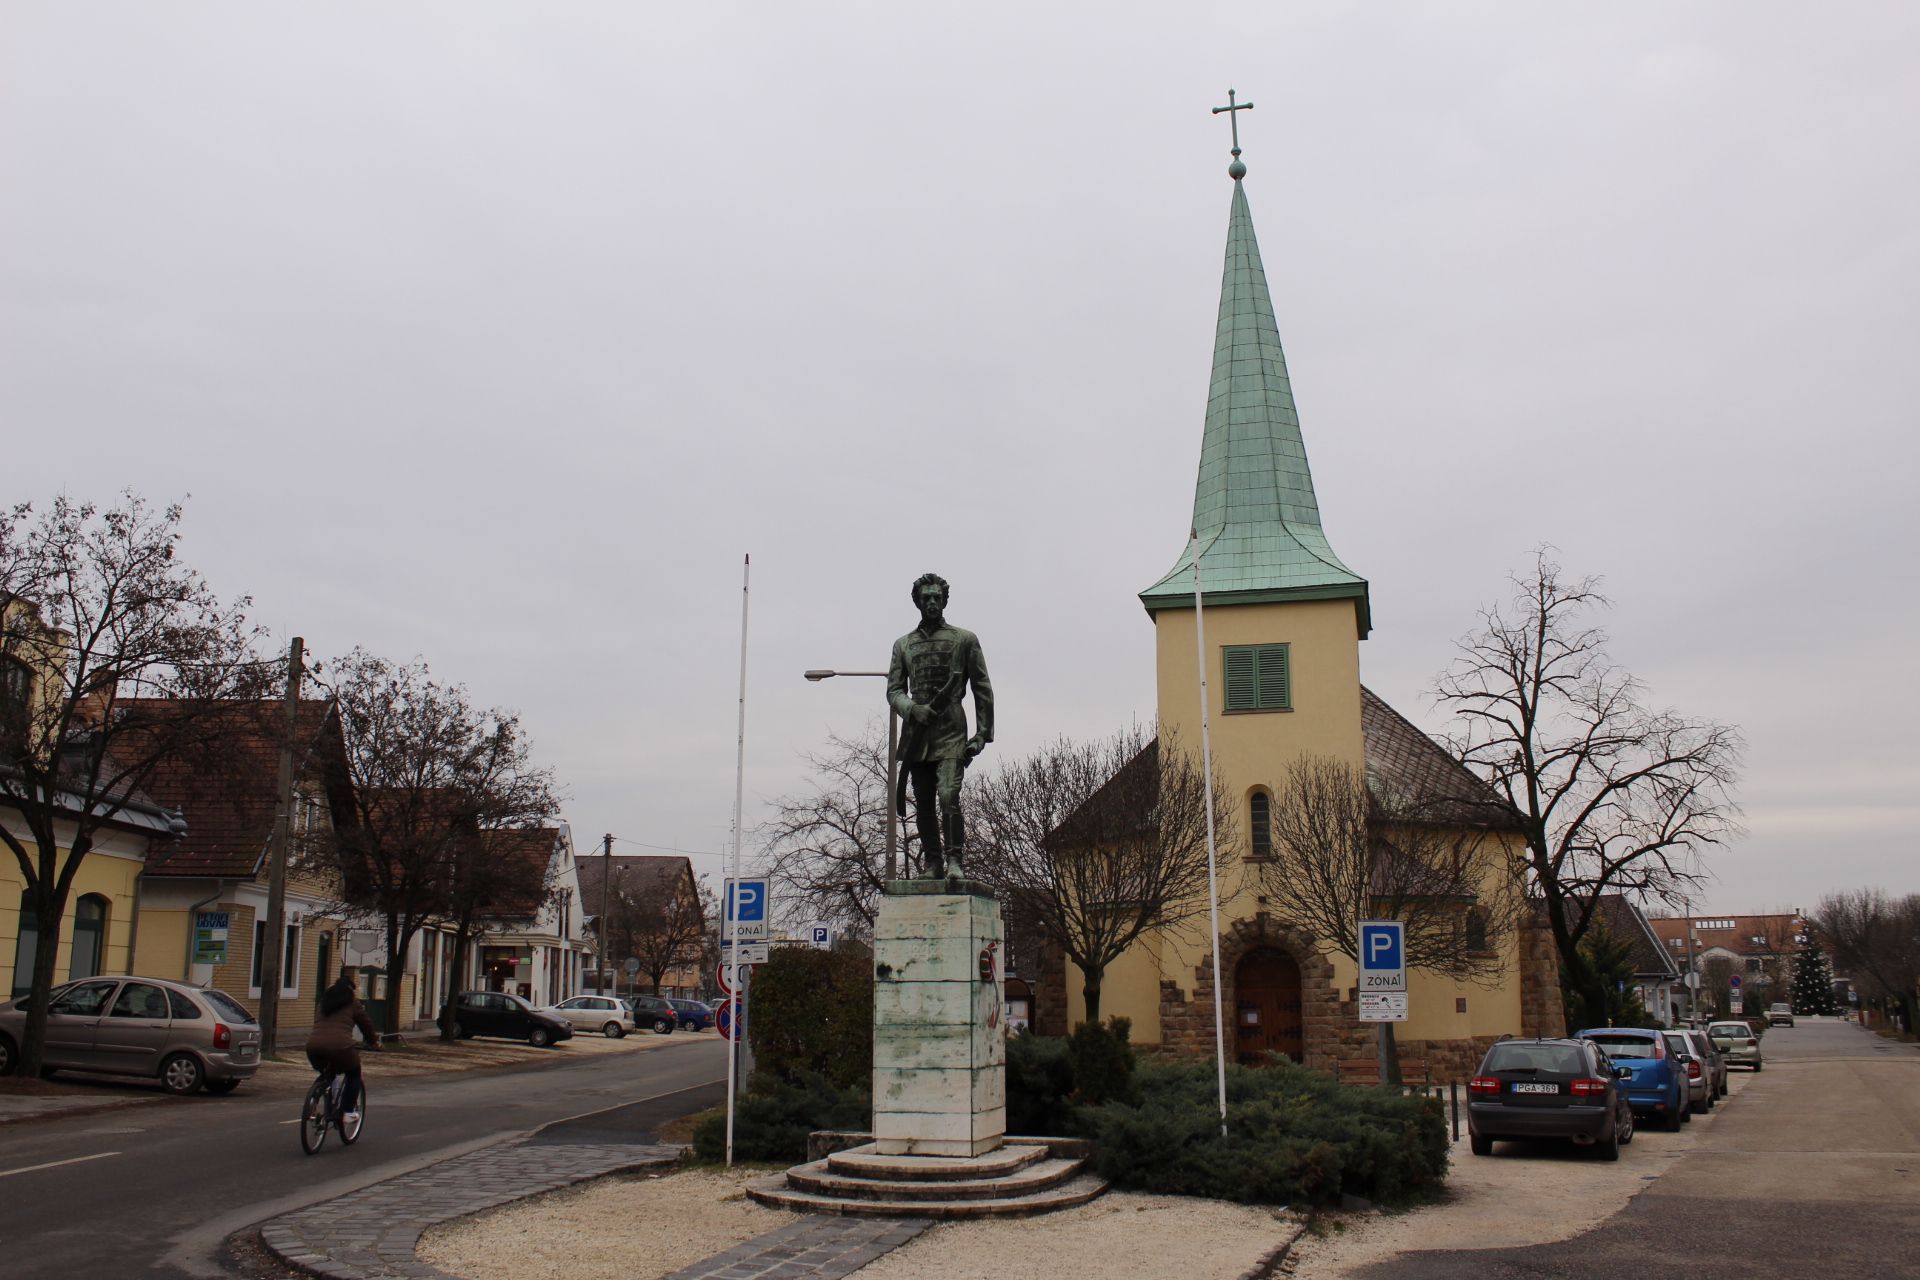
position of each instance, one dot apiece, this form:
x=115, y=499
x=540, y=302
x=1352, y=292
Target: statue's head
x=930, y=595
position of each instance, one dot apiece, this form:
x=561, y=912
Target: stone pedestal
x=939, y=1043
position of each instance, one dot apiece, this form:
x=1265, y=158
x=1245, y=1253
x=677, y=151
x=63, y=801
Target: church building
x=1283, y=620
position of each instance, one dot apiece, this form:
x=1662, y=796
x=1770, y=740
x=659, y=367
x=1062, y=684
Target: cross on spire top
x=1236, y=170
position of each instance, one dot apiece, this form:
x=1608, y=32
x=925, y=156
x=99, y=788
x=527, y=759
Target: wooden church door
x=1267, y=1015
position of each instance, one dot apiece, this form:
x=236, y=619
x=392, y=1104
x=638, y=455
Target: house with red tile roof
x=535, y=942
x=1757, y=950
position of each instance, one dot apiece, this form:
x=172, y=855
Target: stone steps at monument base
x=775, y=1191
x=819, y=1179
x=1017, y=1154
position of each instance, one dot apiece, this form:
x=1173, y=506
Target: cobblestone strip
x=817, y=1247
x=370, y=1234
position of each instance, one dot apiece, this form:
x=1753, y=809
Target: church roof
x=1254, y=510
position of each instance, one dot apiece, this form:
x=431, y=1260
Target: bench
x=1366, y=1071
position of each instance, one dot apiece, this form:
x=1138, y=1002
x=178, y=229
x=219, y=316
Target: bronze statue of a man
x=931, y=668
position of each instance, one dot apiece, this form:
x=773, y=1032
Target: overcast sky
x=499, y=333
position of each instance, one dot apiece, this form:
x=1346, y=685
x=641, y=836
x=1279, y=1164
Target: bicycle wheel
x=314, y=1118
x=350, y=1133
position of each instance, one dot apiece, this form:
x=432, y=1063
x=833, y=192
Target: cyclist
x=330, y=1046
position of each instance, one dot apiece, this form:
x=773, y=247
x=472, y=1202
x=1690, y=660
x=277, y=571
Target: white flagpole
x=1213, y=883
x=731, y=905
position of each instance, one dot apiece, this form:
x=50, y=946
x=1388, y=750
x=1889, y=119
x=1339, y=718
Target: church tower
x=1284, y=615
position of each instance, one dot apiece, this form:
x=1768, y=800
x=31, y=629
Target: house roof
x=1766, y=935
x=639, y=876
x=532, y=849
x=1408, y=771
x=1623, y=918
x=1254, y=511
x=230, y=800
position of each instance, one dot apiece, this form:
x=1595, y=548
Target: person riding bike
x=330, y=1047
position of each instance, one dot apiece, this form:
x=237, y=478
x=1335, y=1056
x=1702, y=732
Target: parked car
x=1549, y=1089
x=496, y=1013
x=187, y=1037
x=1658, y=1087
x=694, y=1016
x=1779, y=1015
x=1701, y=1088
x=1737, y=1043
x=1714, y=1057
x=655, y=1012
x=608, y=1015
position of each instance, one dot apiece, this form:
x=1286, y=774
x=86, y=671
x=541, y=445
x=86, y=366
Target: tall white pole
x=1213, y=882
x=731, y=905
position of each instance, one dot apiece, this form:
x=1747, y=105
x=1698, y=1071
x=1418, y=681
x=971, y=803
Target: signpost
x=1383, y=971
x=210, y=936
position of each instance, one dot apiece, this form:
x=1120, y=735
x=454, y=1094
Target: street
x=1814, y=1169
x=154, y=1190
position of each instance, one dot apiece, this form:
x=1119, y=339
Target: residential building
x=536, y=944
x=637, y=894
x=1756, y=949
x=1656, y=973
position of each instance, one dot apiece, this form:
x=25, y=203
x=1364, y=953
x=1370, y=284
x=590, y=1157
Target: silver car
x=187, y=1037
x=1737, y=1042
x=1696, y=1054
x=609, y=1016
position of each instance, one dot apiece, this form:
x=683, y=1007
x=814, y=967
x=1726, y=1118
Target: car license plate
x=244, y=1051
x=1523, y=1086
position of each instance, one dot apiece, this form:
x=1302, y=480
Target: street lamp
x=893, y=751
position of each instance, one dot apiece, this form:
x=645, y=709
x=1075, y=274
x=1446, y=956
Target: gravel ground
x=623, y=1228
x=1525, y=1193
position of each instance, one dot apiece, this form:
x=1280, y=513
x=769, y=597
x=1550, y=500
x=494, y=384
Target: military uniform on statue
x=932, y=667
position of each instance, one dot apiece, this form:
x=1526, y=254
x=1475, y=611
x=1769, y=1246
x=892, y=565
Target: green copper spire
x=1254, y=512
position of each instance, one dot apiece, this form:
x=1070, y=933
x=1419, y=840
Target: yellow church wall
x=1130, y=989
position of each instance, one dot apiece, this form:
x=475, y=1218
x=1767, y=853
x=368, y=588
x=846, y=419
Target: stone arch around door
x=1186, y=1019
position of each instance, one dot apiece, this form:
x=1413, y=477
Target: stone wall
x=1542, y=1012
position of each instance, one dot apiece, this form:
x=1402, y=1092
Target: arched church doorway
x=1267, y=1019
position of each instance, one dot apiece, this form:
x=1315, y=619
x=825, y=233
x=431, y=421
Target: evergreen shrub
x=812, y=1013
x=1294, y=1137
x=1103, y=1062
x=1040, y=1087
x=772, y=1121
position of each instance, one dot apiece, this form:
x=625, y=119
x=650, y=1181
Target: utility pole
x=606, y=887
x=274, y=936
x=1693, y=976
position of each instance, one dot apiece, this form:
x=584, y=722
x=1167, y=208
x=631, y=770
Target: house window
x=16, y=694
x=1476, y=929
x=24, y=947
x=89, y=936
x=1260, y=823
x=1753, y=966
x=289, y=959
x=1258, y=677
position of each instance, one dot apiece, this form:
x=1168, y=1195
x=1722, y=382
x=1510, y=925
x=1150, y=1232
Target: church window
x=1260, y=823
x=1258, y=678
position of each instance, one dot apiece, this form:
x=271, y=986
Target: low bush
x=1293, y=1137
x=1102, y=1062
x=813, y=1012
x=1040, y=1087
x=772, y=1120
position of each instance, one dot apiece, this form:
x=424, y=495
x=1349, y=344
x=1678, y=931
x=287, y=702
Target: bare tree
x=1613, y=796
x=1097, y=843
x=95, y=611
x=1877, y=937
x=1343, y=852
x=430, y=772
x=663, y=929
x=827, y=847
x=497, y=878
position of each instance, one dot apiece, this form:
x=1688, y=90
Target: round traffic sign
x=723, y=1019
x=725, y=977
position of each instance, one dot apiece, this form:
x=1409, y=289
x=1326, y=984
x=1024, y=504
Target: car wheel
x=1482, y=1146
x=539, y=1037
x=1686, y=1113
x=1674, y=1120
x=1756, y=1068
x=9, y=1057
x=221, y=1088
x=661, y=1027
x=1711, y=1095
x=1624, y=1127
x=1608, y=1148
x=182, y=1074
x=613, y=1031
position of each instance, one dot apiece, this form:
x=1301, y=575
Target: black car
x=1549, y=1089
x=495, y=1013
x=655, y=1012
x=694, y=1016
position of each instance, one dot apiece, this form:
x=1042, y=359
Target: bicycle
x=321, y=1111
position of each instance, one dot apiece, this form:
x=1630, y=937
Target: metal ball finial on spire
x=1236, y=170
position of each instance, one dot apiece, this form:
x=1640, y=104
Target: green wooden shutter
x=1276, y=684
x=1243, y=679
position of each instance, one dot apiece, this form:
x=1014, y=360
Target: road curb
x=1273, y=1259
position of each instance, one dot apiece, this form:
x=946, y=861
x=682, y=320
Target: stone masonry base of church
x=1332, y=1031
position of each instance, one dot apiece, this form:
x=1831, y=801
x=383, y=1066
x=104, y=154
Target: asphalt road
x=154, y=1191
x=1812, y=1170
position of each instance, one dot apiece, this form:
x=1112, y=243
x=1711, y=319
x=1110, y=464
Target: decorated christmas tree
x=1813, y=981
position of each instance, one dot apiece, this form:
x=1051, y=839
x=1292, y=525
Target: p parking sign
x=745, y=910
x=1383, y=956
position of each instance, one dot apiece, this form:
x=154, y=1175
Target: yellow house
x=1283, y=622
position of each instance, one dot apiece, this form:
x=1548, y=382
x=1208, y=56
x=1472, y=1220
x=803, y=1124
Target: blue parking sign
x=1383, y=955
x=746, y=909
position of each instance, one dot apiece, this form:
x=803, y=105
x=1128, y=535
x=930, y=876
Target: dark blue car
x=694, y=1016
x=1658, y=1088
